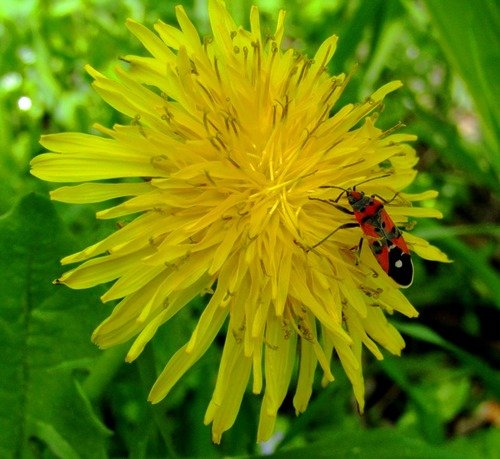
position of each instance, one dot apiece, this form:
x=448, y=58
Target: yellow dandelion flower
x=230, y=138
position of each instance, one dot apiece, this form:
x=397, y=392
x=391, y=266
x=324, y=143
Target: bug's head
x=355, y=196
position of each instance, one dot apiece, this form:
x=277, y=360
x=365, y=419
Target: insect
x=384, y=237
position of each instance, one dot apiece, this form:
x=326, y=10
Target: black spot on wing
x=400, y=266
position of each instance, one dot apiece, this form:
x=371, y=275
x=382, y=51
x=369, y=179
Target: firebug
x=383, y=236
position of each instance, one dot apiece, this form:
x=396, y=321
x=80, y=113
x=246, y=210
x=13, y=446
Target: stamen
x=320, y=121
x=267, y=84
x=371, y=292
x=206, y=91
x=303, y=72
x=209, y=178
x=136, y=121
x=208, y=40
x=208, y=122
x=232, y=161
x=389, y=131
x=194, y=70
x=216, y=68
x=245, y=54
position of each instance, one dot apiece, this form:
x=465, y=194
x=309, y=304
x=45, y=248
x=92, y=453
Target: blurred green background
x=62, y=397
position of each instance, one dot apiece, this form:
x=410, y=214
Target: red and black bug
x=384, y=237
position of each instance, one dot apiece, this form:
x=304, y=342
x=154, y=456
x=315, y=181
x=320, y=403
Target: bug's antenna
x=371, y=179
x=354, y=187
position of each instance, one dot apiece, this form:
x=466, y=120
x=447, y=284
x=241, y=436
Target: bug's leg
x=333, y=203
x=358, y=251
x=341, y=208
x=337, y=199
x=344, y=191
x=386, y=201
x=344, y=226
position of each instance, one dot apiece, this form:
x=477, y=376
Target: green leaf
x=477, y=264
x=44, y=331
x=14, y=9
x=374, y=443
x=366, y=15
x=484, y=444
x=468, y=34
x=480, y=368
x=435, y=232
x=433, y=130
x=431, y=421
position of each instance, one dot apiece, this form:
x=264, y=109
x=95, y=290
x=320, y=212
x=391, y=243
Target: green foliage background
x=62, y=397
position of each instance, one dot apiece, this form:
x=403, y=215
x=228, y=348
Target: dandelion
x=229, y=138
